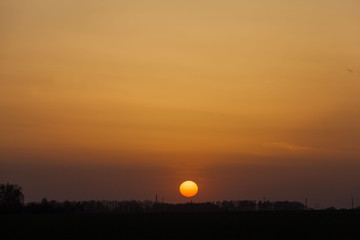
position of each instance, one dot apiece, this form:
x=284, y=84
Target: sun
x=188, y=189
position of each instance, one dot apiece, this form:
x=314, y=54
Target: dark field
x=232, y=225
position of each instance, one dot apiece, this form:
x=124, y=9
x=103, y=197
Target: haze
x=127, y=99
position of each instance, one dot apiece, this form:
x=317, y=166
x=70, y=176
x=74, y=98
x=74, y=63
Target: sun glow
x=188, y=189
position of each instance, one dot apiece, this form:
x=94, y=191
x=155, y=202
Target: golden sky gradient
x=181, y=85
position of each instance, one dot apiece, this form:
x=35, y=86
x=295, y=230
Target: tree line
x=12, y=200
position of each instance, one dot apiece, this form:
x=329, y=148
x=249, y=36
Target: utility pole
x=156, y=199
x=264, y=204
x=162, y=203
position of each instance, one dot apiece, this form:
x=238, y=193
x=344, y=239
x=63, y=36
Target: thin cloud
x=292, y=147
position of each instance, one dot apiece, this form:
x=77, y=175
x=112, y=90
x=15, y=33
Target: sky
x=127, y=99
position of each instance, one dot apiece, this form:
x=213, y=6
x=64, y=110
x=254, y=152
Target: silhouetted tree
x=44, y=203
x=265, y=205
x=288, y=206
x=246, y=205
x=11, y=197
x=228, y=205
x=330, y=209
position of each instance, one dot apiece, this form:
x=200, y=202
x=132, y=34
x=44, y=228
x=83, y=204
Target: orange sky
x=180, y=88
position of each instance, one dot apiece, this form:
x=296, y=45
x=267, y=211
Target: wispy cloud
x=293, y=147
x=349, y=70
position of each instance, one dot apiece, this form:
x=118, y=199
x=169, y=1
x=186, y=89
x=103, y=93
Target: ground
x=231, y=225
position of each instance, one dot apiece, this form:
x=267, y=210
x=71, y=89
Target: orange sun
x=188, y=189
